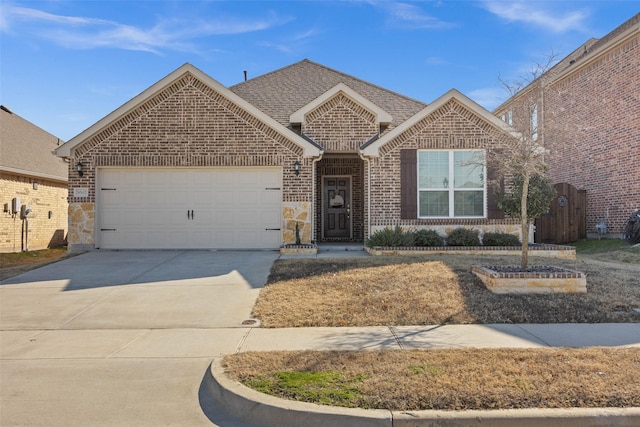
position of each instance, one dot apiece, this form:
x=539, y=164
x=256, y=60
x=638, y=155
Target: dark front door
x=337, y=207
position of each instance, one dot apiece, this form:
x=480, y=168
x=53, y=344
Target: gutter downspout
x=314, y=195
x=368, y=228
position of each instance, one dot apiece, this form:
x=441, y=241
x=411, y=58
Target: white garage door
x=204, y=208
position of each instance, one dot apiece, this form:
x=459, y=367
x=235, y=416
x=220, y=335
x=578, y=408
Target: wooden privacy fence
x=567, y=218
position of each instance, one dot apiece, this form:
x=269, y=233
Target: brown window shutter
x=493, y=211
x=408, y=184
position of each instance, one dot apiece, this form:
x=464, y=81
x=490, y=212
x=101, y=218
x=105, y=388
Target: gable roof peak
x=372, y=148
x=381, y=115
x=67, y=149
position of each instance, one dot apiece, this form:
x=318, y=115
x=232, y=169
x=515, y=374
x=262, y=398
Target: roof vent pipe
x=245, y=75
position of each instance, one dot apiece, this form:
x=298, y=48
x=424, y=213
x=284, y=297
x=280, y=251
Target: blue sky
x=66, y=64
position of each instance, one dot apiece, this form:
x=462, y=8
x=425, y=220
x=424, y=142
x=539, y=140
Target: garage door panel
x=190, y=208
x=156, y=199
x=270, y=219
x=133, y=178
x=222, y=198
x=247, y=219
x=223, y=218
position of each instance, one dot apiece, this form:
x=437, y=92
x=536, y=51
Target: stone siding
x=47, y=223
x=296, y=213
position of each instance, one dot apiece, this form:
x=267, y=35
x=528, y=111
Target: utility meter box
x=15, y=205
x=25, y=210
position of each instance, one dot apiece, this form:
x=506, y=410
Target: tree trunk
x=525, y=223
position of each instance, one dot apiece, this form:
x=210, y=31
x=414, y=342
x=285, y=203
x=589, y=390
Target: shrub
x=427, y=238
x=500, y=239
x=390, y=237
x=541, y=193
x=463, y=237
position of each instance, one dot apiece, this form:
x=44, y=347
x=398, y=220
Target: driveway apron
x=123, y=337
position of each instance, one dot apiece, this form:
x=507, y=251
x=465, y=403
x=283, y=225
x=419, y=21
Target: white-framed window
x=534, y=122
x=507, y=117
x=451, y=184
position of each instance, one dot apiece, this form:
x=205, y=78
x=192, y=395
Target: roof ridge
x=333, y=70
x=277, y=70
x=365, y=82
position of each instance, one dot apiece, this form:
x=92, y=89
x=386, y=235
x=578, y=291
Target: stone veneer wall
x=81, y=230
x=296, y=213
x=44, y=230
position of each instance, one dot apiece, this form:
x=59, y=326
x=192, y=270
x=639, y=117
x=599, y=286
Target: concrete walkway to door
x=123, y=338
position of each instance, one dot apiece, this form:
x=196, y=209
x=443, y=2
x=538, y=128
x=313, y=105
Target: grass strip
x=457, y=379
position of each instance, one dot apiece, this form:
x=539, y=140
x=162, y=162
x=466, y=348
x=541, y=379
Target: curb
x=269, y=411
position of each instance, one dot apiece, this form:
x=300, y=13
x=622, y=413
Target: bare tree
x=526, y=156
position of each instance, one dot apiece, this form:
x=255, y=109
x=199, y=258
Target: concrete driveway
x=123, y=337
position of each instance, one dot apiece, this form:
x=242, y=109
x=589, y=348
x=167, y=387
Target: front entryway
x=336, y=207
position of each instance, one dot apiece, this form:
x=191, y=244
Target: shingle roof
x=27, y=149
x=283, y=92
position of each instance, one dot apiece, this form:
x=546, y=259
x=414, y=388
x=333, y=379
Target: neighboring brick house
x=588, y=117
x=304, y=150
x=31, y=176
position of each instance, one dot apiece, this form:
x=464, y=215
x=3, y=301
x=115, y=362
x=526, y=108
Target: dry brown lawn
x=440, y=289
x=436, y=289
x=12, y=264
x=448, y=379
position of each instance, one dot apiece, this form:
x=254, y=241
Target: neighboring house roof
x=68, y=148
x=26, y=149
x=283, y=92
x=372, y=148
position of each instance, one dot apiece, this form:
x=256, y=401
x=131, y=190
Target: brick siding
x=343, y=166
x=340, y=125
x=190, y=125
x=601, y=152
x=452, y=126
x=589, y=122
x=44, y=230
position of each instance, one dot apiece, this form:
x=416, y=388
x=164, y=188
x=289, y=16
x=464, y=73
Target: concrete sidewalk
x=127, y=338
x=443, y=336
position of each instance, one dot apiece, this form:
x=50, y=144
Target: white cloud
x=537, y=14
x=293, y=43
x=78, y=32
x=410, y=16
x=489, y=97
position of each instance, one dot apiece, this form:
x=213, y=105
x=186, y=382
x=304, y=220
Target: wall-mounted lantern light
x=79, y=169
x=296, y=167
x=35, y=185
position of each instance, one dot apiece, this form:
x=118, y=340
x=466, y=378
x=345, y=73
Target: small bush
x=500, y=239
x=463, y=237
x=391, y=237
x=427, y=238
